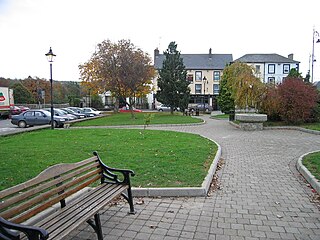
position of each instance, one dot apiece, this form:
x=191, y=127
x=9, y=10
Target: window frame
x=196, y=91
x=284, y=66
x=215, y=91
x=272, y=80
x=269, y=68
x=196, y=76
x=214, y=75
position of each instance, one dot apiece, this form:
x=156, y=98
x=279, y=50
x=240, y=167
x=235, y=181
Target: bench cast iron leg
x=96, y=225
x=130, y=200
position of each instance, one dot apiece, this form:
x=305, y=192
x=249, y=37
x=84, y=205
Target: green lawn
x=140, y=119
x=159, y=158
x=221, y=116
x=312, y=162
x=312, y=126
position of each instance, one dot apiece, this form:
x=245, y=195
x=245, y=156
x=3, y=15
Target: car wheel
x=55, y=124
x=22, y=124
x=160, y=110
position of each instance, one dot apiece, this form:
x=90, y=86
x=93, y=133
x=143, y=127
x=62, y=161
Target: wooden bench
x=54, y=185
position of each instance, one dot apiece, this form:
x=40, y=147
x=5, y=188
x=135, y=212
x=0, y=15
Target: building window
x=190, y=78
x=198, y=76
x=286, y=68
x=258, y=69
x=198, y=88
x=216, y=75
x=216, y=88
x=271, y=80
x=271, y=68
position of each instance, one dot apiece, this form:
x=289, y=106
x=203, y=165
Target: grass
x=140, y=118
x=312, y=162
x=159, y=158
x=312, y=126
x=221, y=116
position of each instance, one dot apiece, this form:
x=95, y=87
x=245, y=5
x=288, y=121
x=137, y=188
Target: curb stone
x=307, y=174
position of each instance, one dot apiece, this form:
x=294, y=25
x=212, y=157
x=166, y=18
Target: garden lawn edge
x=184, y=191
x=307, y=174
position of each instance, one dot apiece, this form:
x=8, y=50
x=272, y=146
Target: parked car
x=80, y=110
x=23, y=108
x=126, y=109
x=72, y=112
x=14, y=110
x=36, y=117
x=165, y=108
x=201, y=107
x=60, y=113
x=91, y=110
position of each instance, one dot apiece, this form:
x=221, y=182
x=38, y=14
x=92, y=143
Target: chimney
x=290, y=56
x=210, y=52
x=156, y=53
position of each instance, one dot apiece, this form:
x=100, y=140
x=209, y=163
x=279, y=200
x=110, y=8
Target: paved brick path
x=263, y=196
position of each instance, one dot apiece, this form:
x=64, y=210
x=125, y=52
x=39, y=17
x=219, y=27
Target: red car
x=14, y=110
x=126, y=109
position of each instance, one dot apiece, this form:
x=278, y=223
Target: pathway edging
x=307, y=174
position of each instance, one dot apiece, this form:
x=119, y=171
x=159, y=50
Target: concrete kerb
x=284, y=128
x=184, y=191
x=307, y=174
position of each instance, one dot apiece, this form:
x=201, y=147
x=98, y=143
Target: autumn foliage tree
x=121, y=68
x=298, y=99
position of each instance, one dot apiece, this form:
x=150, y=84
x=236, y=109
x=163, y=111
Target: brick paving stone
x=262, y=194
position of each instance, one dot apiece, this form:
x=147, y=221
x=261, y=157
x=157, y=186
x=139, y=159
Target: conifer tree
x=174, y=89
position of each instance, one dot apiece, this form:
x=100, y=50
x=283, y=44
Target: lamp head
x=50, y=56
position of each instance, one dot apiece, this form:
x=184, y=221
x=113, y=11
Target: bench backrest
x=51, y=186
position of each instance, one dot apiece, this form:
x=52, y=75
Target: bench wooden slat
x=44, y=175
x=14, y=200
x=84, y=201
x=40, y=199
x=53, y=201
x=86, y=214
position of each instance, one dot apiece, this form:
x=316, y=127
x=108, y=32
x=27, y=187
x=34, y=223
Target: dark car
x=36, y=117
x=201, y=107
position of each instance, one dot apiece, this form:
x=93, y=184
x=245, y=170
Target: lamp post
x=204, y=93
x=315, y=35
x=50, y=56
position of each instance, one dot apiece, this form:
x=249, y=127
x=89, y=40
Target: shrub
x=297, y=100
x=271, y=103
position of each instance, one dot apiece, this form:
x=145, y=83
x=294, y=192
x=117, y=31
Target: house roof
x=265, y=58
x=199, y=61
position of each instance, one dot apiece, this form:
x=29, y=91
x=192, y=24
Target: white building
x=270, y=68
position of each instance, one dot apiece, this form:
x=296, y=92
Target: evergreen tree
x=225, y=100
x=174, y=88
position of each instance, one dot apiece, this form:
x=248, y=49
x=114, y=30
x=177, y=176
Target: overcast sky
x=73, y=28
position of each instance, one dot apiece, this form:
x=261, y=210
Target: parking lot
x=7, y=127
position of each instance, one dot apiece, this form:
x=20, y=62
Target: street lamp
x=204, y=93
x=315, y=35
x=50, y=56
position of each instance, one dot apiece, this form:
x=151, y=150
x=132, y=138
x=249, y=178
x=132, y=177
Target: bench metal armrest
x=111, y=177
x=32, y=233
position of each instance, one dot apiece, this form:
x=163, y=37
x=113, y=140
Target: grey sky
x=73, y=28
